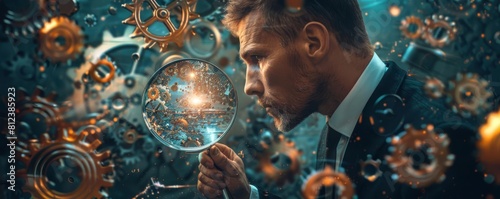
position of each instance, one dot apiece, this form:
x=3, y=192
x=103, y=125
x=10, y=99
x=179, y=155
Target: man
x=321, y=60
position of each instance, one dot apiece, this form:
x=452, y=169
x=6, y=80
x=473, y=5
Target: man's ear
x=317, y=40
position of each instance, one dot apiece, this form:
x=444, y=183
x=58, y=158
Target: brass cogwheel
x=370, y=169
x=412, y=20
x=439, y=22
x=468, y=94
x=434, y=87
x=327, y=178
x=71, y=151
x=416, y=140
x=153, y=93
x=60, y=39
x=181, y=8
x=108, y=77
x=273, y=174
x=488, y=145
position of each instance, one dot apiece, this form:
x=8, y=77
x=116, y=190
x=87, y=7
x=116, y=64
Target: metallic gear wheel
x=488, y=145
x=60, y=40
x=437, y=23
x=468, y=95
x=25, y=20
x=106, y=78
x=328, y=177
x=413, y=140
x=370, y=169
x=160, y=14
x=434, y=87
x=153, y=93
x=412, y=20
x=66, y=150
x=281, y=148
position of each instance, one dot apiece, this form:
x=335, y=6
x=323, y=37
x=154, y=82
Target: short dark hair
x=342, y=17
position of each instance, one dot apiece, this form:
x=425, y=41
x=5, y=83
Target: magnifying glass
x=189, y=105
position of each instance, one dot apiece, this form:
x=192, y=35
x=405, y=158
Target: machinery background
x=79, y=73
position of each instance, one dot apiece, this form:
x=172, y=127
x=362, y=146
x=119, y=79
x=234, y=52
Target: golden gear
x=370, y=169
x=38, y=155
x=415, y=140
x=273, y=174
x=161, y=14
x=107, y=78
x=434, y=87
x=56, y=29
x=439, y=23
x=467, y=94
x=406, y=23
x=153, y=93
x=327, y=178
x=488, y=145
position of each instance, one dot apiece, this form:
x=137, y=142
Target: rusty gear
x=370, y=169
x=153, y=93
x=415, y=140
x=38, y=155
x=467, y=94
x=60, y=28
x=327, y=178
x=439, y=22
x=273, y=174
x=107, y=78
x=160, y=14
x=412, y=20
x=434, y=87
x=488, y=145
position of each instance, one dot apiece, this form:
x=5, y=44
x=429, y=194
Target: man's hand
x=220, y=167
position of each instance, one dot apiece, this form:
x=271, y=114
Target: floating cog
x=27, y=19
x=434, y=87
x=412, y=20
x=488, y=145
x=439, y=23
x=102, y=79
x=286, y=173
x=417, y=140
x=370, y=169
x=327, y=178
x=51, y=34
x=468, y=95
x=66, y=150
x=163, y=15
x=153, y=93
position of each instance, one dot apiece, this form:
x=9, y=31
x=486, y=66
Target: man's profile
x=321, y=60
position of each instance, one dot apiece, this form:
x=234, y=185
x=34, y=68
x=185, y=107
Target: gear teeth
x=130, y=7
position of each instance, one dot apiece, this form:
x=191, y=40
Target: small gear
x=434, y=87
x=488, y=145
x=108, y=77
x=95, y=169
x=438, y=23
x=278, y=173
x=90, y=20
x=160, y=14
x=406, y=25
x=26, y=19
x=190, y=142
x=60, y=40
x=370, y=169
x=468, y=95
x=153, y=93
x=435, y=147
x=327, y=178
x=22, y=66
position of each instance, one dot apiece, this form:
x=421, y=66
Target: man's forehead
x=250, y=29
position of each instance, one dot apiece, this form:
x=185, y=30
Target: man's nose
x=253, y=83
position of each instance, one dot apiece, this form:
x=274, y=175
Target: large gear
x=488, y=145
x=468, y=94
x=161, y=14
x=327, y=178
x=25, y=20
x=284, y=173
x=413, y=140
x=66, y=150
x=60, y=40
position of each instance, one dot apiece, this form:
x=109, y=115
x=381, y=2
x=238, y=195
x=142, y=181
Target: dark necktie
x=332, y=140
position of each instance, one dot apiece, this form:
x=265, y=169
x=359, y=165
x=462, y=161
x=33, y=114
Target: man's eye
x=256, y=58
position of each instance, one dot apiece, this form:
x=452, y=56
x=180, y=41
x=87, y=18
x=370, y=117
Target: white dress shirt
x=344, y=119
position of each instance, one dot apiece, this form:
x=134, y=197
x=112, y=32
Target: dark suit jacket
x=463, y=179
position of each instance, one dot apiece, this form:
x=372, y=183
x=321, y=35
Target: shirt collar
x=344, y=119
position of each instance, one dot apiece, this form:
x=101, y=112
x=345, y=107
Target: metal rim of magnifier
x=180, y=148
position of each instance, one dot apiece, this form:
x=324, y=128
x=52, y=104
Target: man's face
x=279, y=76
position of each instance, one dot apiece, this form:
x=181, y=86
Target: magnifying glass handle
x=225, y=194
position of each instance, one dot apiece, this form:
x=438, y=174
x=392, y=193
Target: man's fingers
x=206, y=160
x=208, y=191
x=222, y=162
x=212, y=173
x=216, y=184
